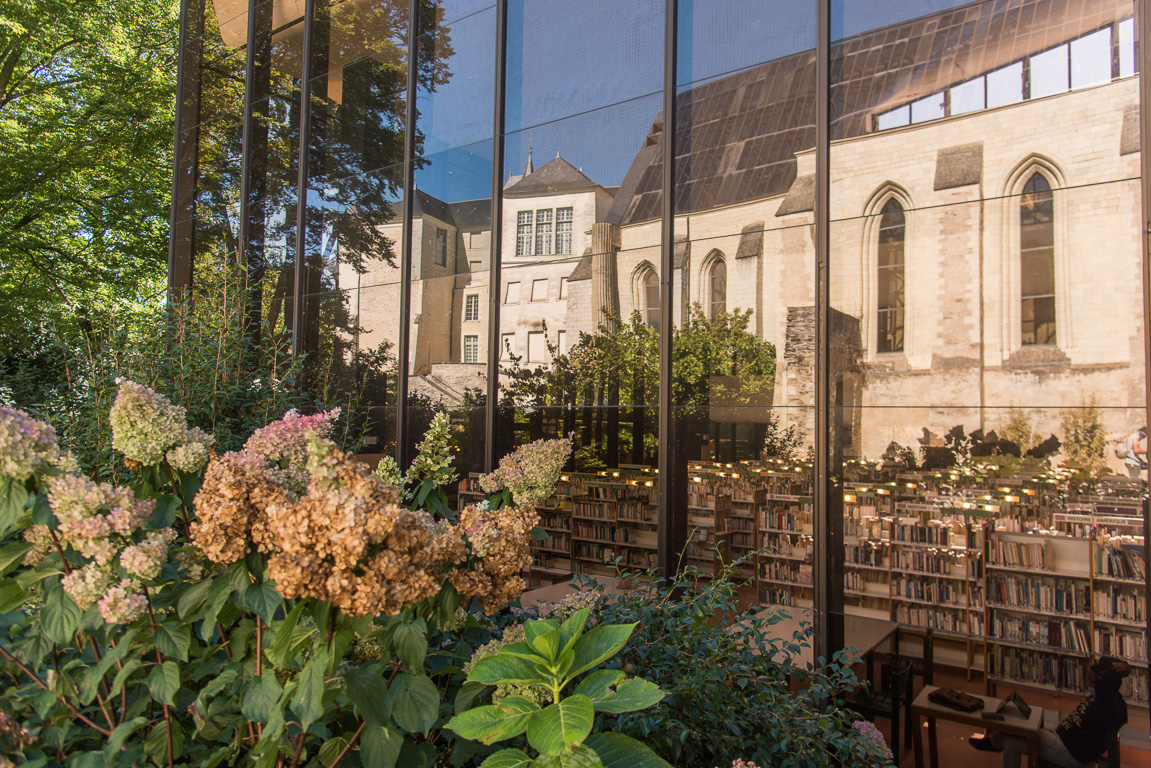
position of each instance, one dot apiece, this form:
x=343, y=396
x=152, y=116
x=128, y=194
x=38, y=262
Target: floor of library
x=955, y=752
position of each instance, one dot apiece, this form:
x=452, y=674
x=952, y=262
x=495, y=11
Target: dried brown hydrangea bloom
x=349, y=542
x=230, y=507
x=501, y=539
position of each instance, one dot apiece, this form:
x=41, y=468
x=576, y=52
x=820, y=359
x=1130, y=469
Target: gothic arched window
x=717, y=289
x=647, y=296
x=892, y=286
x=1037, y=261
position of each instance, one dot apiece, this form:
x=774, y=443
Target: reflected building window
x=472, y=308
x=716, y=284
x=471, y=349
x=543, y=232
x=647, y=296
x=441, y=251
x=512, y=293
x=1037, y=261
x=892, y=283
x=524, y=233
x=564, y=231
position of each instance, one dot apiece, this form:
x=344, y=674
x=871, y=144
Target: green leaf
x=13, y=553
x=629, y=696
x=379, y=747
x=218, y=595
x=218, y=683
x=279, y=652
x=598, y=684
x=418, y=704
x=156, y=745
x=60, y=617
x=467, y=694
x=555, y=729
x=93, y=675
x=119, y=735
x=411, y=643
x=260, y=697
x=572, y=629
x=12, y=595
x=547, y=644
x=502, y=668
x=164, y=681
x=173, y=639
x=332, y=747
x=308, y=702
x=524, y=651
x=130, y=667
x=495, y=722
x=193, y=598
x=369, y=693
x=13, y=500
x=598, y=645
x=507, y=758
x=619, y=751
x=578, y=757
x=262, y=599
x=165, y=514
x=85, y=760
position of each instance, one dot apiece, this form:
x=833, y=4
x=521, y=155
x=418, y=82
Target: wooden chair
x=922, y=667
x=870, y=703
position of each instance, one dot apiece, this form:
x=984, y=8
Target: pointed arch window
x=892, y=287
x=1037, y=261
x=717, y=289
x=647, y=296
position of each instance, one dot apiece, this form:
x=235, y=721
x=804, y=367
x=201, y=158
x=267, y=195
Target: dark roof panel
x=558, y=175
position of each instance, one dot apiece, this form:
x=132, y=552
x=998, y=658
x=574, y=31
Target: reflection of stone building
x=967, y=159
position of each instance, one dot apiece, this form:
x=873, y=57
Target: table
x=1014, y=724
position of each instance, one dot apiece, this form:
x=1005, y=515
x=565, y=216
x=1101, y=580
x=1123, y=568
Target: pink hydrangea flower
x=283, y=445
x=530, y=472
x=26, y=445
x=123, y=603
x=88, y=584
x=144, y=560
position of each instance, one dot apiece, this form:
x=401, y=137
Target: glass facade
x=851, y=295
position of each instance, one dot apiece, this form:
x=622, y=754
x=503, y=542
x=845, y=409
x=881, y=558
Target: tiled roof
x=558, y=175
x=736, y=137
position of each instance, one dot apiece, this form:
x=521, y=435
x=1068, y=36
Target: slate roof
x=472, y=214
x=557, y=175
x=736, y=137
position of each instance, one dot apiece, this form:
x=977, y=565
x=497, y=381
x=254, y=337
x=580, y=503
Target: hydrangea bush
x=274, y=607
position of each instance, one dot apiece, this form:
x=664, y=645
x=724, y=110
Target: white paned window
x=543, y=232
x=564, y=231
x=540, y=289
x=1005, y=86
x=1049, y=73
x=1091, y=59
x=537, y=347
x=512, y=293
x=471, y=349
x=524, y=233
x=927, y=108
x=1127, y=48
x=968, y=97
x=894, y=119
x=471, y=308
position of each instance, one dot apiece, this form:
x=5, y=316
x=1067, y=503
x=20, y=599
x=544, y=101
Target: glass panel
x=455, y=104
x=982, y=378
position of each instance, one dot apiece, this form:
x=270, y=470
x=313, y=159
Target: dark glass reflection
x=891, y=284
x=1037, y=261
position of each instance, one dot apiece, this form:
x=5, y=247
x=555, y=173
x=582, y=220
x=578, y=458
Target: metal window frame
x=404, y=339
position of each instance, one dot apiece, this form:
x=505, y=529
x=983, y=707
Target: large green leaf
x=369, y=692
x=411, y=643
x=164, y=681
x=578, y=756
x=93, y=675
x=12, y=554
x=619, y=751
x=262, y=599
x=12, y=595
x=173, y=639
x=467, y=694
x=507, y=758
x=573, y=628
x=380, y=747
x=13, y=499
x=119, y=735
x=599, y=645
x=418, y=704
x=60, y=617
x=502, y=668
x=495, y=722
x=218, y=595
x=260, y=697
x=281, y=647
x=598, y=684
x=559, y=726
x=629, y=696
x=308, y=702
x=193, y=598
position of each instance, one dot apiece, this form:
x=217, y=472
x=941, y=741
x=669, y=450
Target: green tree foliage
x=86, y=104
x=1085, y=438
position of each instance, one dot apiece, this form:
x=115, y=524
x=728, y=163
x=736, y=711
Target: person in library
x=1082, y=736
x=1134, y=453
